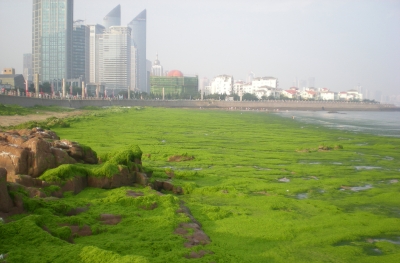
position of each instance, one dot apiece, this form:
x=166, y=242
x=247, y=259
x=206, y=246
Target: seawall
x=269, y=104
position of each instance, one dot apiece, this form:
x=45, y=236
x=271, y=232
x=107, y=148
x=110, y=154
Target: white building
x=350, y=95
x=261, y=87
x=265, y=81
x=115, y=57
x=327, y=95
x=354, y=95
x=222, y=84
x=267, y=92
x=238, y=87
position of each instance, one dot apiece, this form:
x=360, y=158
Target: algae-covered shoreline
x=264, y=189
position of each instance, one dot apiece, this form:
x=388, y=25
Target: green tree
x=249, y=96
x=45, y=87
x=31, y=88
x=76, y=91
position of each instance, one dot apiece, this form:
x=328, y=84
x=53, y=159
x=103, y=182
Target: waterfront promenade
x=271, y=105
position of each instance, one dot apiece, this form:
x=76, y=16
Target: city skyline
x=341, y=44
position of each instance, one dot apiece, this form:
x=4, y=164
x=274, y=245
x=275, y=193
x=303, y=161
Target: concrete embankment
x=269, y=105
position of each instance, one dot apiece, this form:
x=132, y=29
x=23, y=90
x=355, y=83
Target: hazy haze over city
x=341, y=43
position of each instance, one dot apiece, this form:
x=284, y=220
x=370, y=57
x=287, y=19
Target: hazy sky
x=341, y=43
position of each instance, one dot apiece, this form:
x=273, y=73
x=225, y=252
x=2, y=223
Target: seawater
x=380, y=123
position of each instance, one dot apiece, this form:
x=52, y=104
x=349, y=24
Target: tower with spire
x=157, y=69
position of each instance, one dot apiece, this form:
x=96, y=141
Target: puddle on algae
x=361, y=188
x=367, y=167
x=301, y=196
x=284, y=180
x=356, y=188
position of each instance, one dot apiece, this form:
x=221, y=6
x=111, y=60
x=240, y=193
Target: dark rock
x=177, y=190
x=77, y=231
x=60, y=145
x=134, y=194
x=198, y=254
x=77, y=211
x=109, y=219
x=141, y=178
x=35, y=192
x=14, y=158
x=75, y=185
x=25, y=180
x=158, y=185
x=150, y=207
x=79, y=153
x=62, y=157
x=168, y=186
x=42, y=158
x=180, y=158
x=6, y=203
x=198, y=237
x=123, y=178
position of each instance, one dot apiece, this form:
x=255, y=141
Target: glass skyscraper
x=113, y=18
x=138, y=26
x=52, y=22
x=80, y=51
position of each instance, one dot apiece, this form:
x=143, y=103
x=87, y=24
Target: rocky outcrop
x=27, y=154
x=31, y=152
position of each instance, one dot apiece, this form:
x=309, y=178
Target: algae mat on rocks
x=264, y=188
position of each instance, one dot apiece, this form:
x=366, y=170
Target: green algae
x=112, y=162
x=65, y=172
x=232, y=188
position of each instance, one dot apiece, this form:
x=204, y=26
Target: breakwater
x=266, y=105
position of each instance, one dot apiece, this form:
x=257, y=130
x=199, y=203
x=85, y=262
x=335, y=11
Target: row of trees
x=45, y=87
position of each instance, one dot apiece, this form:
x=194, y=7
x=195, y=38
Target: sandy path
x=16, y=119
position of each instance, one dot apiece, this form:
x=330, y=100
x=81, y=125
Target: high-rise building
x=138, y=26
x=94, y=34
x=80, y=51
x=113, y=18
x=115, y=57
x=156, y=69
x=52, y=22
x=134, y=74
x=27, y=67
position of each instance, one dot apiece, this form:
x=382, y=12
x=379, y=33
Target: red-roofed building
x=290, y=93
x=308, y=94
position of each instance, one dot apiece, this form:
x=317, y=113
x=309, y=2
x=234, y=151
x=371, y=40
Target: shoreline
x=265, y=105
